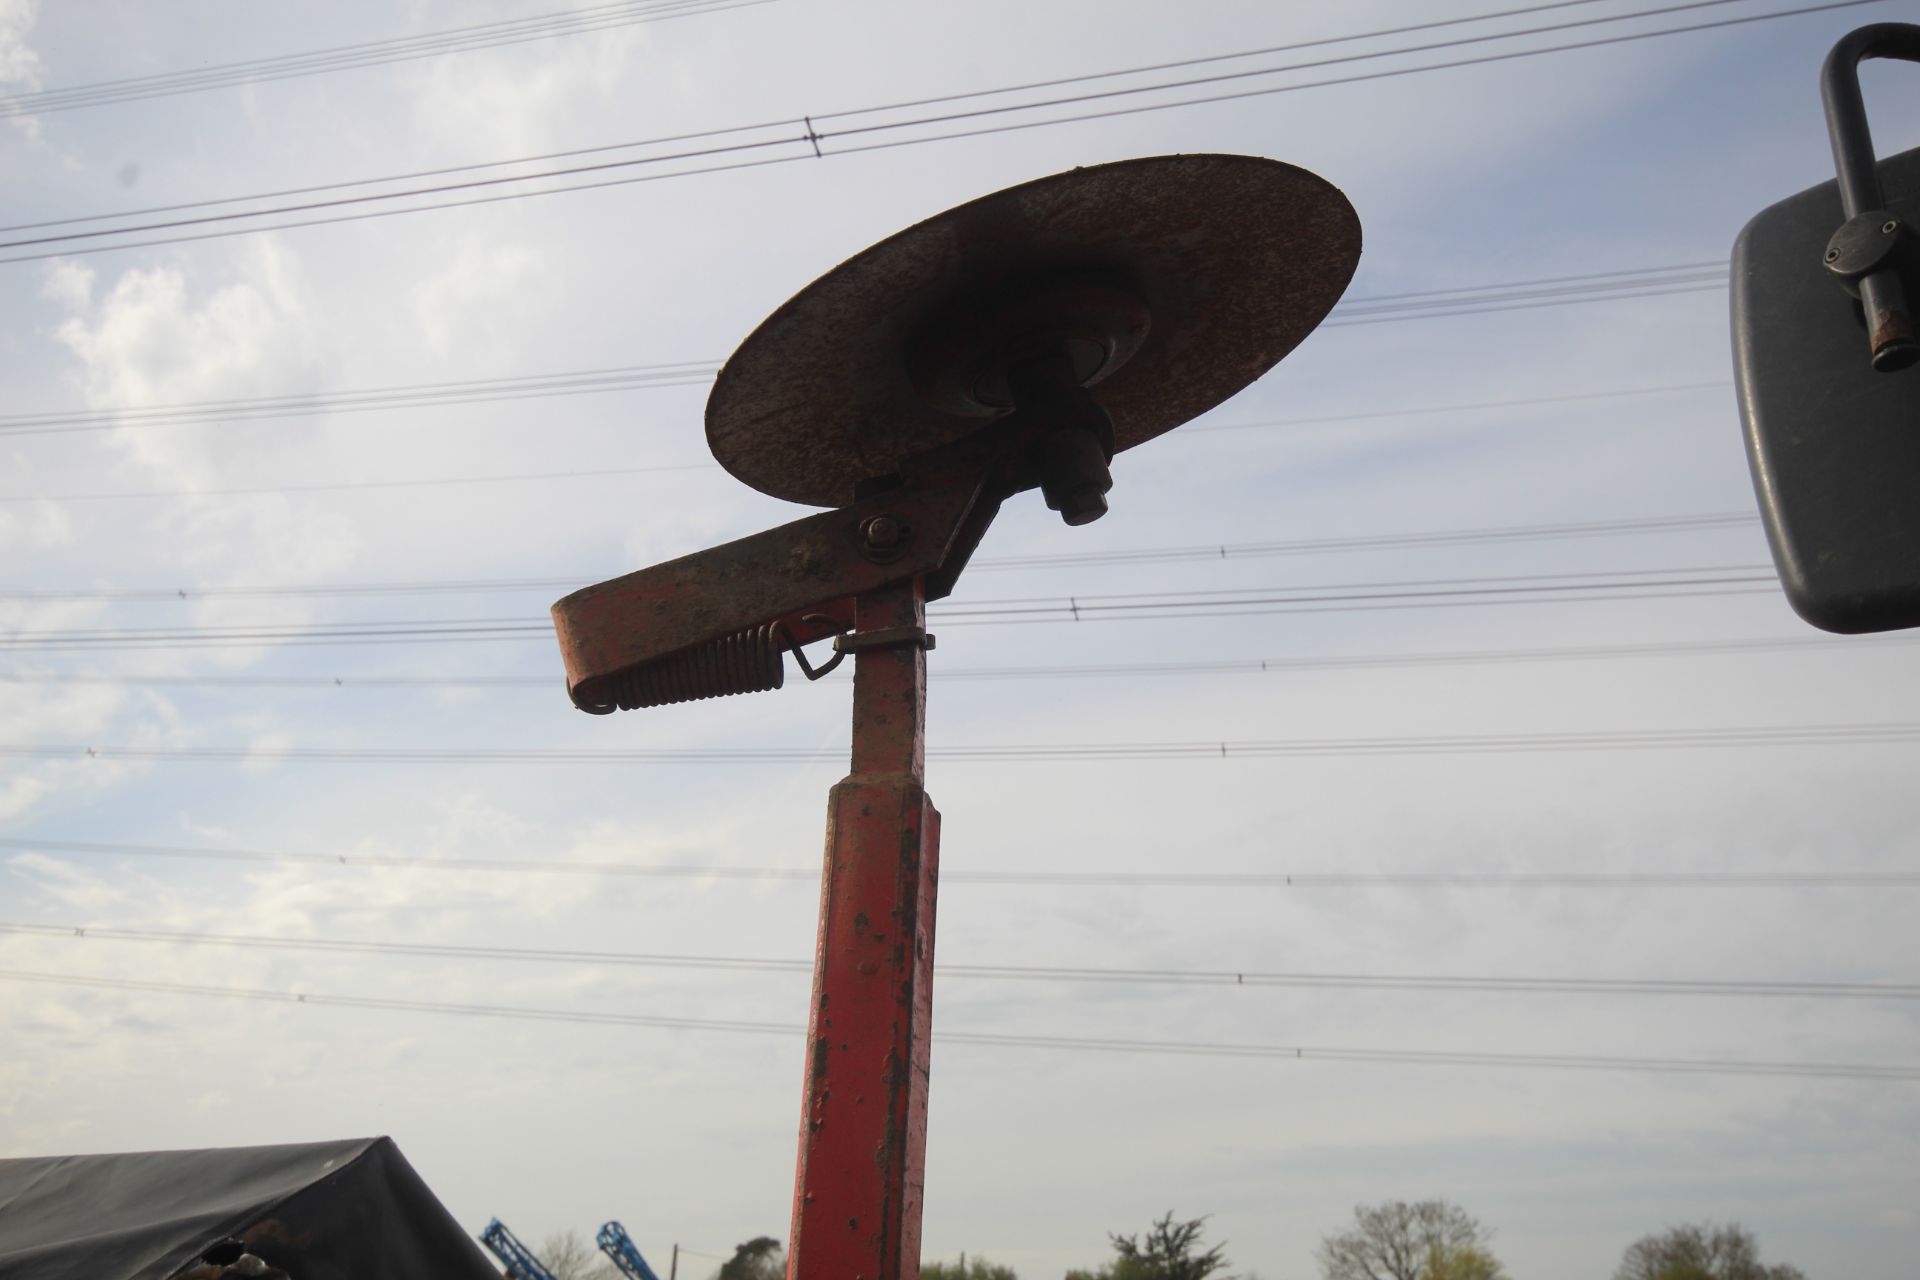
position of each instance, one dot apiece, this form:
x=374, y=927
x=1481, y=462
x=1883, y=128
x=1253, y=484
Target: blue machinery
x=520, y=1262
x=618, y=1245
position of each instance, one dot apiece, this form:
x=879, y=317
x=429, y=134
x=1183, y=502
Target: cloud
x=153, y=338
x=471, y=305
x=163, y=335
x=19, y=64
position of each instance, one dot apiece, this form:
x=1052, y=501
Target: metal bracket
x=1864, y=252
x=884, y=638
x=719, y=621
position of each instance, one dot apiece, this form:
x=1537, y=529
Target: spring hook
x=807, y=668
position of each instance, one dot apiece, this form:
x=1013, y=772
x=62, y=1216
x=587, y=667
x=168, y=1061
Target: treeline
x=1397, y=1240
x=1422, y=1240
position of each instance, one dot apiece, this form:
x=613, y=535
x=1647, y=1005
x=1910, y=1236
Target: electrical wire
x=601, y=381
x=1005, y=972
x=1426, y=410
x=374, y=53
x=1824, y=877
x=361, y=486
x=801, y=145
x=1099, y=671
x=790, y=119
x=112, y=421
x=1887, y=733
x=1492, y=534
x=1579, y=587
x=685, y=373
x=1498, y=533
x=1183, y=1048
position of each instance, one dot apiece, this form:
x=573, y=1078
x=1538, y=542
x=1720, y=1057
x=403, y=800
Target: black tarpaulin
x=352, y=1210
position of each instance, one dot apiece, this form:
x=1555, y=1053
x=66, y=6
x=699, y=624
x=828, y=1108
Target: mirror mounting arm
x=1866, y=253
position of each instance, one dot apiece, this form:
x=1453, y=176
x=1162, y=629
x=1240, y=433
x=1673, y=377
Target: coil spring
x=744, y=662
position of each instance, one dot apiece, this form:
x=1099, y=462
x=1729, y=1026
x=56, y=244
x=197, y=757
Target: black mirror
x=1830, y=402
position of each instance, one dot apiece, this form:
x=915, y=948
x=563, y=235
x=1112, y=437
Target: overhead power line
x=1084, y=78
x=1563, y=588
x=1885, y=733
x=1774, y=988
x=351, y=486
x=1096, y=671
x=371, y=53
x=806, y=139
x=588, y=382
x=108, y=420
x=1825, y=877
x=519, y=31
x=1686, y=277
x=1489, y=534
x=1486, y=534
x=1183, y=1048
x=642, y=377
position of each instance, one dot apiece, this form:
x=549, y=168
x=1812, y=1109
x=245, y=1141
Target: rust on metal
x=722, y=606
x=1891, y=331
x=1234, y=258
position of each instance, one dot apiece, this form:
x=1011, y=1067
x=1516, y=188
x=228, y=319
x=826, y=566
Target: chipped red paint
x=863, y=1130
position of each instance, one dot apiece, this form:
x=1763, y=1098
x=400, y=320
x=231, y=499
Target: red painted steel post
x=863, y=1131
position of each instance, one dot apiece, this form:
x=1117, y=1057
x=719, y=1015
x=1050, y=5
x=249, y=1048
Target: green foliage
x=1169, y=1251
x=966, y=1269
x=760, y=1258
x=1462, y=1263
x=1700, y=1251
x=1425, y=1240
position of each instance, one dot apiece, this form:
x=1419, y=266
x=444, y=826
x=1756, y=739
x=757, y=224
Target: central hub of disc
x=961, y=363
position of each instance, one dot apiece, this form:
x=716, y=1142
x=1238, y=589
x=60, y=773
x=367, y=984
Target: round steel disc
x=1236, y=259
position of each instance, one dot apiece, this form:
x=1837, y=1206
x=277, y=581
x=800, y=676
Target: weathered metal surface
x=1235, y=259
x=1017, y=341
x=798, y=575
x=863, y=1131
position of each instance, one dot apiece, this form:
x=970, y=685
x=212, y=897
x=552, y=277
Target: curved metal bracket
x=1872, y=271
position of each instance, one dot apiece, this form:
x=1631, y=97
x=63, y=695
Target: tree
x=1427, y=1240
x=760, y=1258
x=571, y=1258
x=966, y=1269
x=1463, y=1264
x=1169, y=1252
x=1700, y=1251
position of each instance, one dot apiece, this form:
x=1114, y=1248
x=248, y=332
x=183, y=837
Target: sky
x=1617, y=158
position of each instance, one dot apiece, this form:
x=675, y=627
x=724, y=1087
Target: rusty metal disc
x=1174, y=281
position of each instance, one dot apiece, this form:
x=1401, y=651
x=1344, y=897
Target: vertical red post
x=863, y=1127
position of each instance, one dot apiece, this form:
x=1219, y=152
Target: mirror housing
x=1833, y=443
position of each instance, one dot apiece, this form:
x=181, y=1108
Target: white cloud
x=19, y=64
x=154, y=339
x=472, y=307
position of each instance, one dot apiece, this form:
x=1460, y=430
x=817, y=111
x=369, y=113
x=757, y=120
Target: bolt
x=1890, y=226
x=883, y=533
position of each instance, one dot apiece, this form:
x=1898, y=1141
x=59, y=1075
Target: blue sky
x=1638, y=155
